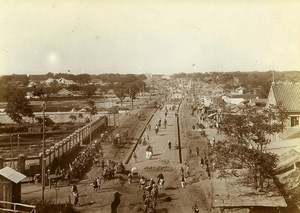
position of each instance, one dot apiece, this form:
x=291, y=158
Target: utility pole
x=43, y=156
x=130, y=95
x=93, y=111
x=18, y=138
x=90, y=128
x=12, y=154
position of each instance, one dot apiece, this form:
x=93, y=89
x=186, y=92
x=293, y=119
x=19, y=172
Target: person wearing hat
x=116, y=202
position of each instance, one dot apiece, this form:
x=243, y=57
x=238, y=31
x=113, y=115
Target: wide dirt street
x=173, y=198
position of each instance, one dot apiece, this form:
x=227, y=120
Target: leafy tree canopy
x=17, y=105
x=92, y=107
x=120, y=91
x=247, y=138
x=88, y=90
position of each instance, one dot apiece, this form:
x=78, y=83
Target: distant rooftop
x=288, y=95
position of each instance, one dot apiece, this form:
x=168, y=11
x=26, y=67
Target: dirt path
x=173, y=198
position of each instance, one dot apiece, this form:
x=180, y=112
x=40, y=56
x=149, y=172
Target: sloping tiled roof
x=288, y=95
x=287, y=159
x=64, y=91
x=12, y=174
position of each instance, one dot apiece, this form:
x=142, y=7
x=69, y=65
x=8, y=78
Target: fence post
x=1, y=162
x=21, y=163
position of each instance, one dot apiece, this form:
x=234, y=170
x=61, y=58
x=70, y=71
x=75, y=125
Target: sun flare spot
x=52, y=58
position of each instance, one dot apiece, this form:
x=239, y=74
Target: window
x=294, y=121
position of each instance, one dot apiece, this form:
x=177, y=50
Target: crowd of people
x=150, y=188
x=82, y=163
x=150, y=192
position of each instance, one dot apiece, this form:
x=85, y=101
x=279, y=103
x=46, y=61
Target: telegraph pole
x=18, y=138
x=43, y=155
x=12, y=154
x=131, y=95
x=90, y=128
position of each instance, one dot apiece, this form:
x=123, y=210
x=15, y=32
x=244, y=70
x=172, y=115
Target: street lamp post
x=18, y=138
x=43, y=155
x=12, y=153
x=90, y=128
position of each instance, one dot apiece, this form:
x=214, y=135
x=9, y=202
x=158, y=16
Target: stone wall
x=56, y=117
x=63, y=147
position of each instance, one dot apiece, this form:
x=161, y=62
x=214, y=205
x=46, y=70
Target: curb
x=136, y=143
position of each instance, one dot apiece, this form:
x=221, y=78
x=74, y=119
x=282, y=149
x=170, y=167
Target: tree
x=92, y=107
x=17, y=105
x=120, y=92
x=83, y=78
x=281, y=114
x=88, y=90
x=73, y=118
x=246, y=142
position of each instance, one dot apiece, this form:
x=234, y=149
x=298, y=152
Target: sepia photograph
x=139, y=106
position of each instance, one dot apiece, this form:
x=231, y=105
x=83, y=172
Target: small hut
x=10, y=185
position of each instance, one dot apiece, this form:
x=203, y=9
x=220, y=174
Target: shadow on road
x=163, y=210
x=172, y=188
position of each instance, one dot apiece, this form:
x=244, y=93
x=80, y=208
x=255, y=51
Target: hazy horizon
x=158, y=37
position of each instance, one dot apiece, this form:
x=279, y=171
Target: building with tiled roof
x=289, y=96
x=64, y=92
x=60, y=81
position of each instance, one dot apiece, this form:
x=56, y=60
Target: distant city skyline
x=159, y=37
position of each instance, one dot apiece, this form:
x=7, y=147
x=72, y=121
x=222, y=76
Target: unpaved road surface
x=172, y=198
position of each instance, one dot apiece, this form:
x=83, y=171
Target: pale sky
x=155, y=36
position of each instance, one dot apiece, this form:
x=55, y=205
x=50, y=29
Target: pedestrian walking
x=181, y=171
x=95, y=185
x=197, y=151
x=144, y=196
x=129, y=177
x=152, y=192
x=190, y=150
x=144, y=142
x=160, y=177
x=182, y=181
x=135, y=157
x=147, y=202
x=116, y=202
x=169, y=144
x=188, y=170
x=74, y=188
x=202, y=162
x=142, y=183
x=156, y=129
x=208, y=170
x=98, y=183
x=75, y=195
x=151, y=182
x=195, y=208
